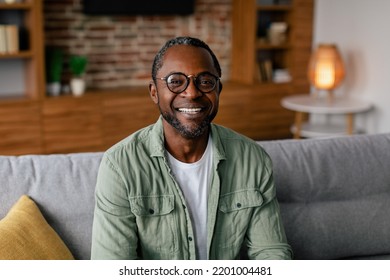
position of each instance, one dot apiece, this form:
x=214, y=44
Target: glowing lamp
x=326, y=68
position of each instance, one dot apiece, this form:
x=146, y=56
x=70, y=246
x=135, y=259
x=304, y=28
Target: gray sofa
x=334, y=194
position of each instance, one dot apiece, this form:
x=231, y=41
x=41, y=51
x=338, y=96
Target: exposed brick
x=121, y=49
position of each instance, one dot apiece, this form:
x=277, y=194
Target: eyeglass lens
x=178, y=82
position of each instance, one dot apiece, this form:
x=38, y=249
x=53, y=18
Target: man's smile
x=192, y=110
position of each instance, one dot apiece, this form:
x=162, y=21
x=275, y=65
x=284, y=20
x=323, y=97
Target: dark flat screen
x=138, y=7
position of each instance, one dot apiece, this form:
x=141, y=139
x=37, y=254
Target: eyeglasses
x=178, y=82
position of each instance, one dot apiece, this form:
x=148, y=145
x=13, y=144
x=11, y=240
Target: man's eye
x=206, y=81
x=175, y=81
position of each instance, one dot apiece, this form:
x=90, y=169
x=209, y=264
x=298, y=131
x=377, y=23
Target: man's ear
x=153, y=92
x=220, y=87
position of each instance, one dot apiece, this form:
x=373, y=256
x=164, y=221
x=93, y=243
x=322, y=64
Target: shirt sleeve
x=114, y=228
x=266, y=237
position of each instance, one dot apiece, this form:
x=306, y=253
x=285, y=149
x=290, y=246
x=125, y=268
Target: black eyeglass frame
x=195, y=77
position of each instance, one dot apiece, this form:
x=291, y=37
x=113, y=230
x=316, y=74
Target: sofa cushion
x=25, y=235
x=334, y=195
x=62, y=185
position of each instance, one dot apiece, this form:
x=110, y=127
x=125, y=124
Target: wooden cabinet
x=261, y=51
x=256, y=54
x=20, y=131
x=21, y=79
x=72, y=124
x=254, y=110
x=23, y=67
x=125, y=112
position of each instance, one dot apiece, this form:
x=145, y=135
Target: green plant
x=54, y=64
x=78, y=64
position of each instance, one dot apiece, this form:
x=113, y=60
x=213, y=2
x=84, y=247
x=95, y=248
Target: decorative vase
x=77, y=86
x=53, y=88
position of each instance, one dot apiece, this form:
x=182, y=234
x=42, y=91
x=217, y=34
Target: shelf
x=22, y=54
x=273, y=85
x=309, y=130
x=15, y=6
x=276, y=8
x=259, y=36
x=267, y=46
x=15, y=99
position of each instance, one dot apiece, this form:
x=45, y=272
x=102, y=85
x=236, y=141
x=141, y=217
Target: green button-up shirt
x=141, y=212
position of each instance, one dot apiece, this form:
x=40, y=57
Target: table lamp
x=326, y=68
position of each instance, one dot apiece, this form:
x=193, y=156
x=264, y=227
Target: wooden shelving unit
x=32, y=122
x=27, y=16
x=251, y=46
x=20, y=118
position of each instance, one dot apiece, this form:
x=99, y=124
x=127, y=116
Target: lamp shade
x=326, y=68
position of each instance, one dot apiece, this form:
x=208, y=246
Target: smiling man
x=185, y=188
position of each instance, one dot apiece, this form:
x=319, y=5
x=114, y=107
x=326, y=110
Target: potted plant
x=54, y=67
x=77, y=64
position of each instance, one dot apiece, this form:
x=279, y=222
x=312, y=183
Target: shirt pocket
x=156, y=224
x=234, y=215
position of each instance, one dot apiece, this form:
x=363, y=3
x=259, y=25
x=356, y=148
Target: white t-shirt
x=194, y=180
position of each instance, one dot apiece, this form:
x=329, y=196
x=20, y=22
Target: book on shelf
x=12, y=38
x=9, y=38
x=10, y=1
x=3, y=43
x=265, y=70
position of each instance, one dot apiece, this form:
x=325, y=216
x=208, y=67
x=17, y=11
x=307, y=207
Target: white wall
x=361, y=29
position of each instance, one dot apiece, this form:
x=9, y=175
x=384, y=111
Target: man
x=184, y=188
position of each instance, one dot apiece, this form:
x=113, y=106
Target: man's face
x=190, y=112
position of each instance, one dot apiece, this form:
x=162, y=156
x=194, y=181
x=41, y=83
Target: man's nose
x=192, y=91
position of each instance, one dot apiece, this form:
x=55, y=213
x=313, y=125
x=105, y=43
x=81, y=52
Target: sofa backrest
x=334, y=195
x=63, y=188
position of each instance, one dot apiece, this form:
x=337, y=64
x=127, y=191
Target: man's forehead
x=186, y=50
x=186, y=56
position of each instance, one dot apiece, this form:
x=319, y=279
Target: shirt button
x=151, y=211
x=190, y=238
x=238, y=205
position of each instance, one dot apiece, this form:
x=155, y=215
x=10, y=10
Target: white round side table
x=311, y=104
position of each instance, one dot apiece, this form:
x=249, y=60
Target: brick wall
x=121, y=49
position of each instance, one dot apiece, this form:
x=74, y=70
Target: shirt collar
x=157, y=139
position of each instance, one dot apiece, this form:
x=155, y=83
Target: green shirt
x=141, y=213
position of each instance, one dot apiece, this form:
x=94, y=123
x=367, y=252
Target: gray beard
x=186, y=131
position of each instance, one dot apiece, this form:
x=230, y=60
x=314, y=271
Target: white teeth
x=189, y=110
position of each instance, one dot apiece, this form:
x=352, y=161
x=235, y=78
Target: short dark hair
x=190, y=41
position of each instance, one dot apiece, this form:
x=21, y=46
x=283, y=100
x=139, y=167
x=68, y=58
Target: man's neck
x=184, y=149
